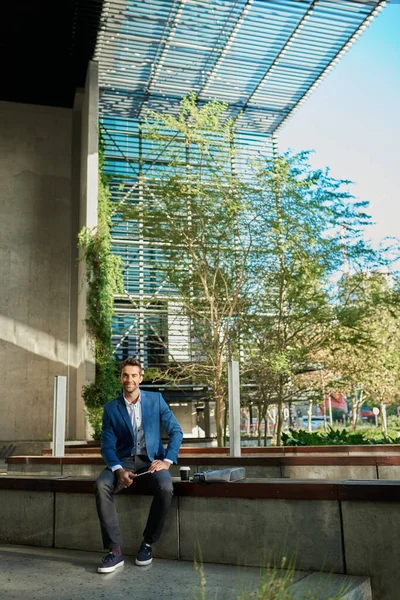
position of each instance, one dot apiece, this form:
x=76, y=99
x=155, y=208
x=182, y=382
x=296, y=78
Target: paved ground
x=28, y=573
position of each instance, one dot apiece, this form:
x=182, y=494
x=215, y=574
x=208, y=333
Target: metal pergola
x=263, y=58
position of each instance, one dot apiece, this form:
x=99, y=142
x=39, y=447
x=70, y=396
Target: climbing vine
x=104, y=279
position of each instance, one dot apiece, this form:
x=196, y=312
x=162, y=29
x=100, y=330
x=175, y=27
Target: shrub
x=97, y=394
x=104, y=279
x=393, y=422
x=335, y=437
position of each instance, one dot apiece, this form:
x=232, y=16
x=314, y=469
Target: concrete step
x=41, y=574
x=325, y=586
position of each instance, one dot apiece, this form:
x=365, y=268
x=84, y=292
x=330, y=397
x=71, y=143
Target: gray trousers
x=159, y=484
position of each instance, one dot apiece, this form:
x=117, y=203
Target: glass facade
x=148, y=322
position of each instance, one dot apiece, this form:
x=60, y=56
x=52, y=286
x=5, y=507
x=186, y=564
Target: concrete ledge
x=324, y=459
x=320, y=585
x=283, y=489
x=391, y=449
x=358, y=467
x=343, y=527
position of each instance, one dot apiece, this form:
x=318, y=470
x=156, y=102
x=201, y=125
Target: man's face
x=130, y=379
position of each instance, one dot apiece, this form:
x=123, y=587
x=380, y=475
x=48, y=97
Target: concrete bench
x=368, y=467
x=344, y=527
x=380, y=449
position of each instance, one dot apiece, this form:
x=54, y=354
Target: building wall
x=35, y=248
x=84, y=214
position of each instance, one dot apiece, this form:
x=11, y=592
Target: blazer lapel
x=125, y=415
x=143, y=399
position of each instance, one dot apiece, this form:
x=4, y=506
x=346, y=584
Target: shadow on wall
x=30, y=360
x=38, y=342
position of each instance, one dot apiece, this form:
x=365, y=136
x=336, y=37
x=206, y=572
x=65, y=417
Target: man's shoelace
x=109, y=557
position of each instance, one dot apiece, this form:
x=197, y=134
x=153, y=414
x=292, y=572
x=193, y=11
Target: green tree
x=297, y=249
x=195, y=207
x=366, y=358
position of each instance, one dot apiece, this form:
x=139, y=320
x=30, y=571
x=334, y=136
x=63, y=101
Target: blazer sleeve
x=173, y=430
x=109, y=441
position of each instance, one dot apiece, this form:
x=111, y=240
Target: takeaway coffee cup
x=185, y=473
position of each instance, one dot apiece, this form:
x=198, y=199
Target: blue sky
x=352, y=122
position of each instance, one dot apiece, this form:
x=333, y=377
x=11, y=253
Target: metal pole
x=330, y=410
x=384, y=419
x=234, y=408
x=60, y=397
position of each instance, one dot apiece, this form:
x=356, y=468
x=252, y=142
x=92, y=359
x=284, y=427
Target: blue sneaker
x=144, y=555
x=110, y=563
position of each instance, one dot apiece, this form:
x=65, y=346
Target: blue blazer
x=118, y=438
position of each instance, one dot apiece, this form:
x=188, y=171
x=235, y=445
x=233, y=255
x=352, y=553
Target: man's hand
x=125, y=478
x=159, y=465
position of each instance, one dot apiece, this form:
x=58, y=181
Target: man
x=130, y=445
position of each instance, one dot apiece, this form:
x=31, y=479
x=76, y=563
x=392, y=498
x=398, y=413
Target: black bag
x=220, y=475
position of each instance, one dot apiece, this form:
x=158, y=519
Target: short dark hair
x=130, y=362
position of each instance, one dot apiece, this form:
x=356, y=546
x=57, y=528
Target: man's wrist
x=119, y=472
x=116, y=468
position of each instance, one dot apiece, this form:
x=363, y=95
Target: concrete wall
x=48, y=191
x=84, y=193
x=371, y=537
x=35, y=210
x=258, y=532
x=77, y=524
x=352, y=537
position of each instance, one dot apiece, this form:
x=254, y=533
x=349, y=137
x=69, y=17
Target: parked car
x=316, y=422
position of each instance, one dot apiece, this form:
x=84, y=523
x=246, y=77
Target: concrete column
x=85, y=188
x=60, y=400
x=35, y=205
x=90, y=148
x=73, y=396
x=234, y=408
x=207, y=428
